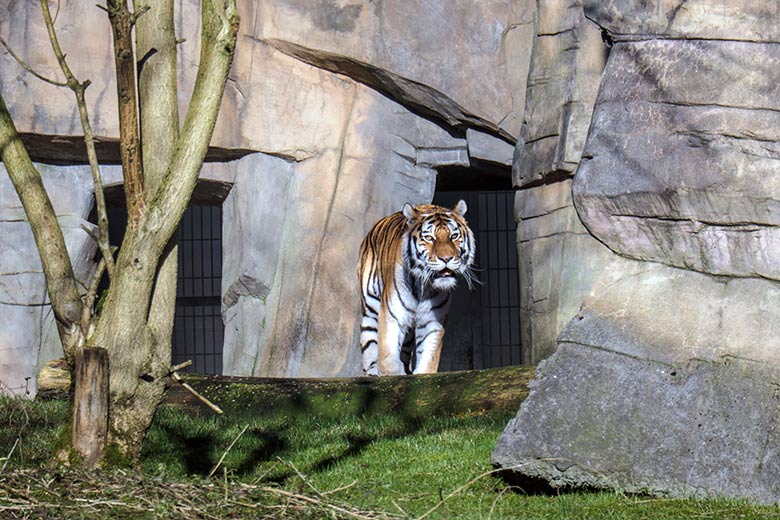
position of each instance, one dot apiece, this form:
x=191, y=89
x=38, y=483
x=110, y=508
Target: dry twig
x=301, y=476
x=176, y=377
x=222, y=458
x=320, y=503
x=458, y=490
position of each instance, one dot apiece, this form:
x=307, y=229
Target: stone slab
x=424, y=55
x=746, y=20
x=680, y=164
x=563, y=80
x=665, y=383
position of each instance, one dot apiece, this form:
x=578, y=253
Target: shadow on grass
x=198, y=441
x=287, y=417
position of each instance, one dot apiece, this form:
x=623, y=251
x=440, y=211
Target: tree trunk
x=135, y=324
x=133, y=327
x=155, y=34
x=90, y=404
x=60, y=280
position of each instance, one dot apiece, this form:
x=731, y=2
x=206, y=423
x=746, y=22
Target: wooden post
x=90, y=404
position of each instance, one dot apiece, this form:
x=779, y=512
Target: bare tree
x=160, y=165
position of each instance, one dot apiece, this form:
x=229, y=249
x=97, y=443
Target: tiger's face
x=440, y=246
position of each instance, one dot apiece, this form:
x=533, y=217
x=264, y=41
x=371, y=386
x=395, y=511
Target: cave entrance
x=483, y=326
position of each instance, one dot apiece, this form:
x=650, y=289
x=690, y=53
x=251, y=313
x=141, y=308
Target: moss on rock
x=448, y=393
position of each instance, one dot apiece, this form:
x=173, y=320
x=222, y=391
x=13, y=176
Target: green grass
x=388, y=464
x=396, y=465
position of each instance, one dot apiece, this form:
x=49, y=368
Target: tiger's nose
x=446, y=259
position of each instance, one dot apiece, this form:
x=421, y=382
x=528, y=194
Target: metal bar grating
x=483, y=327
x=198, y=330
x=500, y=292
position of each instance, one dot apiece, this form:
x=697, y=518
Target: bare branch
x=138, y=14
x=222, y=458
x=89, y=138
x=219, y=31
x=176, y=377
x=181, y=366
x=29, y=69
x=89, y=298
x=71, y=81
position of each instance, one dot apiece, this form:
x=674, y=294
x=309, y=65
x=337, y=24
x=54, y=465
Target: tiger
x=408, y=267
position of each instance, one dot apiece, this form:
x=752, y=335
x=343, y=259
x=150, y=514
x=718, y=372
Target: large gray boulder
x=659, y=389
x=665, y=382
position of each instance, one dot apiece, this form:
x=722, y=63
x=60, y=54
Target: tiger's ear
x=410, y=212
x=460, y=208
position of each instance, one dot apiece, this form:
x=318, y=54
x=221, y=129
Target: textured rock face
x=336, y=113
x=418, y=54
x=565, y=70
x=674, y=394
x=715, y=105
x=28, y=336
x=559, y=260
x=309, y=210
x=666, y=380
x=463, y=63
x=696, y=19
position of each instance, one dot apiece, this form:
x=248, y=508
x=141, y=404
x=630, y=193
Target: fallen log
x=446, y=393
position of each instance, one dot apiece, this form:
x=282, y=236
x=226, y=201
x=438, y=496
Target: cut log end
x=90, y=404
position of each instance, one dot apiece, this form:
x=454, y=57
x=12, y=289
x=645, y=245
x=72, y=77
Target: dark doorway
x=483, y=327
x=198, y=331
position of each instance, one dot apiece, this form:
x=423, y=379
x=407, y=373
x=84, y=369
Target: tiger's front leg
x=429, y=332
x=391, y=337
x=429, y=339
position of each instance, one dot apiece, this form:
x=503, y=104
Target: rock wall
x=665, y=381
x=335, y=114
x=28, y=334
x=559, y=260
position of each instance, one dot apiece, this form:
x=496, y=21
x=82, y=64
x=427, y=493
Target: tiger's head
x=439, y=246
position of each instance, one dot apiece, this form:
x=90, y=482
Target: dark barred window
x=483, y=327
x=198, y=331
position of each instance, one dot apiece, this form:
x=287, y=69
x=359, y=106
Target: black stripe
x=442, y=304
x=415, y=289
x=392, y=314
x=363, y=348
x=368, y=329
x=400, y=299
x=370, y=308
x=418, y=254
x=420, y=341
x=409, y=247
